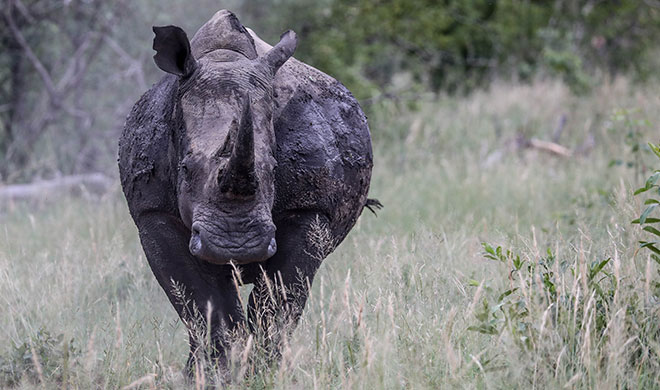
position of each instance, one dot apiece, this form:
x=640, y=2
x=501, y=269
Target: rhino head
x=226, y=144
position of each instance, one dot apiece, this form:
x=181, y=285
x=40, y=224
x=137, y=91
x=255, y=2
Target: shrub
x=39, y=358
x=646, y=220
x=573, y=319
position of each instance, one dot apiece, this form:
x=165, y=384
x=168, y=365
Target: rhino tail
x=373, y=205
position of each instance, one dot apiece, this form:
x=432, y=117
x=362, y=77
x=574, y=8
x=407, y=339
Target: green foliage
x=568, y=65
x=577, y=316
x=41, y=357
x=537, y=282
x=647, y=219
x=459, y=45
x=632, y=125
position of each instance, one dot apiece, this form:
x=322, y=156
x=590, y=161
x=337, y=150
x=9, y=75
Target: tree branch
x=95, y=183
x=134, y=66
x=24, y=11
x=70, y=72
x=41, y=69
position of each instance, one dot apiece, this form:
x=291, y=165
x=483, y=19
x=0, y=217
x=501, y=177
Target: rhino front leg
x=199, y=291
x=280, y=293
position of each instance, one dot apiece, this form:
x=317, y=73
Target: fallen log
x=90, y=183
x=521, y=142
x=550, y=147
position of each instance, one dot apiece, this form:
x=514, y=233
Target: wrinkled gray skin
x=233, y=157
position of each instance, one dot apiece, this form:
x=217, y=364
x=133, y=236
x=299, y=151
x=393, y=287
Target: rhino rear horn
x=277, y=56
x=240, y=178
x=173, y=54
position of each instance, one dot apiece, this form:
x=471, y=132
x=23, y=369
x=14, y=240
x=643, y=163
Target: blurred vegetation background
x=71, y=69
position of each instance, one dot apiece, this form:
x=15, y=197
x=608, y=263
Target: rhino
x=230, y=164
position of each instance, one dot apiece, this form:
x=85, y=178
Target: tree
x=49, y=48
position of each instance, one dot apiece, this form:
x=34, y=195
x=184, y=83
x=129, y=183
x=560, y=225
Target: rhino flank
x=229, y=163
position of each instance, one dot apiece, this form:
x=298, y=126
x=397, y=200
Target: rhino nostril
x=195, y=245
x=272, y=247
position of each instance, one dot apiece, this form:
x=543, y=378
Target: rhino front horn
x=239, y=178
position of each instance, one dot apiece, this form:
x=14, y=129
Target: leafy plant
x=568, y=65
x=647, y=220
x=508, y=311
x=629, y=123
x=41, y=357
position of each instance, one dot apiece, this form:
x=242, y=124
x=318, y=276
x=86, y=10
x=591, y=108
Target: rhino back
x=324, y=151
x=146, y=151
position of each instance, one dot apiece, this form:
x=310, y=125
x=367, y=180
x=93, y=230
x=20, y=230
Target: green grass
x=392, y=306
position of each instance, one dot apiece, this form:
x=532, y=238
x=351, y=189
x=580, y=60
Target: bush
x=582, y=312
x=41, y=357
x=647, y=221
x=459, y=45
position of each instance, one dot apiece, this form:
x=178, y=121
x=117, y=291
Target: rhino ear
x=277, y=56
x=173, y=53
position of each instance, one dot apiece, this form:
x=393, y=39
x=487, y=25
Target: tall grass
x=397, y=304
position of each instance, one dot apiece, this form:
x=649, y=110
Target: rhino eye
x=183, y=168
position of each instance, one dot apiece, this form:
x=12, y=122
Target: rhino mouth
x=241, y=248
